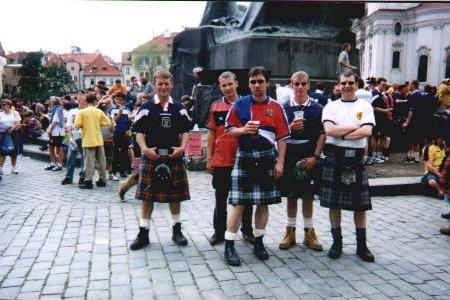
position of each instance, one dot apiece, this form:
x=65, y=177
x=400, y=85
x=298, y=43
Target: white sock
x=378, y=154
x=308, y=222
x=258, y=232
x=52, y=163
x=374, y=154
x=291, y=222
x=175, y=219
x=144, y=223
x=231, y=236
x=416, y=155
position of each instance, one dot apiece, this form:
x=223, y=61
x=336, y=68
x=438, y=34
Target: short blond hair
x=300, y=74
x=6, y=101
x=162, y=74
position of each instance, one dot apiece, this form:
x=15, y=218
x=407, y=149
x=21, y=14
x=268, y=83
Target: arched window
x=447, y=67
x=395, y=59
x=423, y=68
x=397, y=28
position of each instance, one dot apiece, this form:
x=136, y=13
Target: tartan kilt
x=179, y=190
x=247, y=192
x=332, y=196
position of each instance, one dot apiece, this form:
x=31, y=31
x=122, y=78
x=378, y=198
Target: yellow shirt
x=90, y=119
x=435, y=155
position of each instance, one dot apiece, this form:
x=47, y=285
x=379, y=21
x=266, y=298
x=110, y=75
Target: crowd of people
x=259, y=149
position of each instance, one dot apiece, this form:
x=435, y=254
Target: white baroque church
x=404, y=41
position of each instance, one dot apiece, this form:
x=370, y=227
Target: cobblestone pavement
x=62, y=242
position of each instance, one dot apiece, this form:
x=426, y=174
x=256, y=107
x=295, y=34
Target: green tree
x=30, y=82
x=56, y=81
x=147, y=60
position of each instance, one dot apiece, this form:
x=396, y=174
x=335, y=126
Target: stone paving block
x=12, y=282
x=222, y=275
x=257, y=290
x=81, y=281
x=144, y=293
x=283, y=293
x=53, y=290
x=364, y=288
x=200, y=271
x=206, y=283
x=188, y=292
x=99, y=275
x=29, y=296
x=121, y=292
x=98, y=285
x=32, y=286
x=58, y=279
x=232, y=288
x=120, y=279
x=182, y=278
x=98, y=294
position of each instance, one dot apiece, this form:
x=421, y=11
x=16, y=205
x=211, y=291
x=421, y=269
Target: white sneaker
x=1, y=172
x=113, y=177
x=14, y=170
x=378, y=160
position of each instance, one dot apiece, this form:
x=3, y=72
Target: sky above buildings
x=112, y=27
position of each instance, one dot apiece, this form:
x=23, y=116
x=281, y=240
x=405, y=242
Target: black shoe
x=141, y=239
x=66, y=180
x=87, y=184
x=50, y=168
x=101, y=183
x=216, y=239
x=446, y=216
x=364, y=252
x=259, y=250
x=81, y=181
x=231, y=257
x=335, y=250
x=178, y=236
x=250, y=238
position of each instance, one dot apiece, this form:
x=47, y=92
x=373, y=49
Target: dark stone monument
x=283, y=36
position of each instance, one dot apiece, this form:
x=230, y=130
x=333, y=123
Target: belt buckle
x=350, y=153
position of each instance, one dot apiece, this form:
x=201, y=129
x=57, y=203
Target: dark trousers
x=121, y=161
x=222, y=184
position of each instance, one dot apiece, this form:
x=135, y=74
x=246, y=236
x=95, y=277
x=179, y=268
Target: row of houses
x=86, y=69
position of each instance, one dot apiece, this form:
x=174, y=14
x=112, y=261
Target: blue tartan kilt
x=148, y=191
x=332, y=195
x=244, y=190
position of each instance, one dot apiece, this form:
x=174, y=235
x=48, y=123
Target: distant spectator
x=433, y=155
x=443, y=94
x=319, y=94
x=9, y=126
x=117, y=88
x=284, y=93
x=343, y=60
x=336, y=94
x=362, y=93
x=56, y=132
x=30, y=127
x=146, y=87
x=400, y=104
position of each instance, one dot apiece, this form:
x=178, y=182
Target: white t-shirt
x=8, y=120
x=358, y=112
x=76, y=132
x=364, y=95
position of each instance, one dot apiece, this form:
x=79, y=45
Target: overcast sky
x=112, y=27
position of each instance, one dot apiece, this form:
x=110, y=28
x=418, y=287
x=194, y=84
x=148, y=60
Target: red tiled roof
x=101, y=67
x=54, y=59
x=16, y=57
x=126, y=58
x=162, y=43
x=83, y=58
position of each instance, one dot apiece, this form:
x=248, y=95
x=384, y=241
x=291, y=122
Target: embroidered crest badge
x=269, y=112
x=359, y=115
x=165, y=122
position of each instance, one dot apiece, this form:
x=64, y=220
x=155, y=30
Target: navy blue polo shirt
x=123, y=123
x=313, y=126
x=162, y=126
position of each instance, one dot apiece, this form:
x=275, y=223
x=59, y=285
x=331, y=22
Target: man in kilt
x=302, y=155
x=220, y=160
x=161, y=133
x=347, y=122
x=259, y=122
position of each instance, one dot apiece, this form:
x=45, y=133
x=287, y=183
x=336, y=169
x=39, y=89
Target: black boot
x=259, y=250
x=178, y=236
x=361, y=246
x=216, y=239
x=336, y=249
x=141, y=240
x=87, y=184
x=231, y=257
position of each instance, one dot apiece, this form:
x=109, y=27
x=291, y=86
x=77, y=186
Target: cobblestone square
x=62, y=242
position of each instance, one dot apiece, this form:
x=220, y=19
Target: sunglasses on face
x=344, y=83
x=300, y=83
x=259, y=81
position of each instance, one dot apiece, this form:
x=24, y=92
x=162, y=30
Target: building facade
x=2, y=65
x=405, y=41
x=100, y=69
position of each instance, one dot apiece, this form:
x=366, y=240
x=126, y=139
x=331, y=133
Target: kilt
x=291, y=187
x=245, y=191
x=332, y=196
x=179, y=189
x=135, y=165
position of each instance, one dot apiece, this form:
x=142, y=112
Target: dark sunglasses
x=302, y=83
x=259, y=81
x=344, y=83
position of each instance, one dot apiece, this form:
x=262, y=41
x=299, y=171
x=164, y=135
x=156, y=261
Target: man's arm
x=408, y=119
x=362, y=132
x=338, y=130
x=210, y=152
x=279, y=165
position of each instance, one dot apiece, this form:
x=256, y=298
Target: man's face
x=404, y=91
x=382, y=86
x=228, y=86
x=300, y=86
x=120, y=100
x=163, y=87
x=348, y=87
x=349, y=48
x=337, y=89
x=258, y=85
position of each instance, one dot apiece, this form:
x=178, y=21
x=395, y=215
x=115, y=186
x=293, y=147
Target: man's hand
x=151, y=153
x=404, y=125
x=279, y=168
x=297, y=125
x=209, y=166
x=310, y=163
x=250, y=128
x=177, y=152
